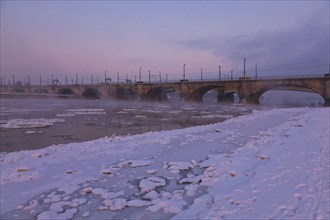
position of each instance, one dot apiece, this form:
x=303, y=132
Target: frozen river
x=255, y=166
x=37, y=123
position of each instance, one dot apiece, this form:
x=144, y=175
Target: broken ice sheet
x=151, y=183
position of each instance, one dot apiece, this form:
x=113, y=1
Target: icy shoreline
x=270, y=164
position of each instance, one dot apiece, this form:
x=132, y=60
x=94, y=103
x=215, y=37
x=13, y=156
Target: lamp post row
x=107, y=79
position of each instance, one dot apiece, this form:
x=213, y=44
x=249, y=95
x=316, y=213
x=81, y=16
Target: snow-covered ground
x=271, y=164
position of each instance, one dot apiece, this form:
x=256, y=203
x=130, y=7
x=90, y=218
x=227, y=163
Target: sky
x=55, y=39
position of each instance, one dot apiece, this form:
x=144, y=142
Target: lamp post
x=140, y=70
x=184, y=71
x=244, y=67
x=256, y=71
x=219, y=72
x=149, y=75
x=201, y=74
x=76, y=78
x=160, y=76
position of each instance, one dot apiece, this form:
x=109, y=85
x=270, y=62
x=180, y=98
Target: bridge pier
x=326, y=102
x=252, y=99
x=155, y=94
x=227, y=98
x=224, y=97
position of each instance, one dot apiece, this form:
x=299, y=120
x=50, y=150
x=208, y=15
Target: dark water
x=84, y=120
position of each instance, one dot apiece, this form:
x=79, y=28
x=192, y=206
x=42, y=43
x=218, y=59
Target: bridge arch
x=229, y=97
x=197, y=95
x=159, y=93
x=255, y=97
x=40, y=90
x=224, y=94
x=124, y=93
x=65, y=91
x=91, y=93
x=18, y=90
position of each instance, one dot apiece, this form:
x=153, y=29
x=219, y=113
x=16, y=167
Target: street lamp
x=149, y=75
x=256, y=71
x=140, y=74
x=219, y=72
x=184, y=71
x=244, y=67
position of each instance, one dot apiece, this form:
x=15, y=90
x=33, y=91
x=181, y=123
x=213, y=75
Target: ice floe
x=30, y=123
x=75, y=112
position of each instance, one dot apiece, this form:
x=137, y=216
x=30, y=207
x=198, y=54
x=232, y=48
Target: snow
x=271, y=164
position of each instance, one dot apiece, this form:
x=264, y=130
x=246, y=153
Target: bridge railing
x=223, y=78
x=228, y=78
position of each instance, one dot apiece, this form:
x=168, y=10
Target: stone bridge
x=249, y=90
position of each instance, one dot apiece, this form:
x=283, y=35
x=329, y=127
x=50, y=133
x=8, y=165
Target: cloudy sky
x=59, y=38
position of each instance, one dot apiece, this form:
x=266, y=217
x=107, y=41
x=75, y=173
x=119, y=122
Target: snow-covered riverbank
x=271, y=164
